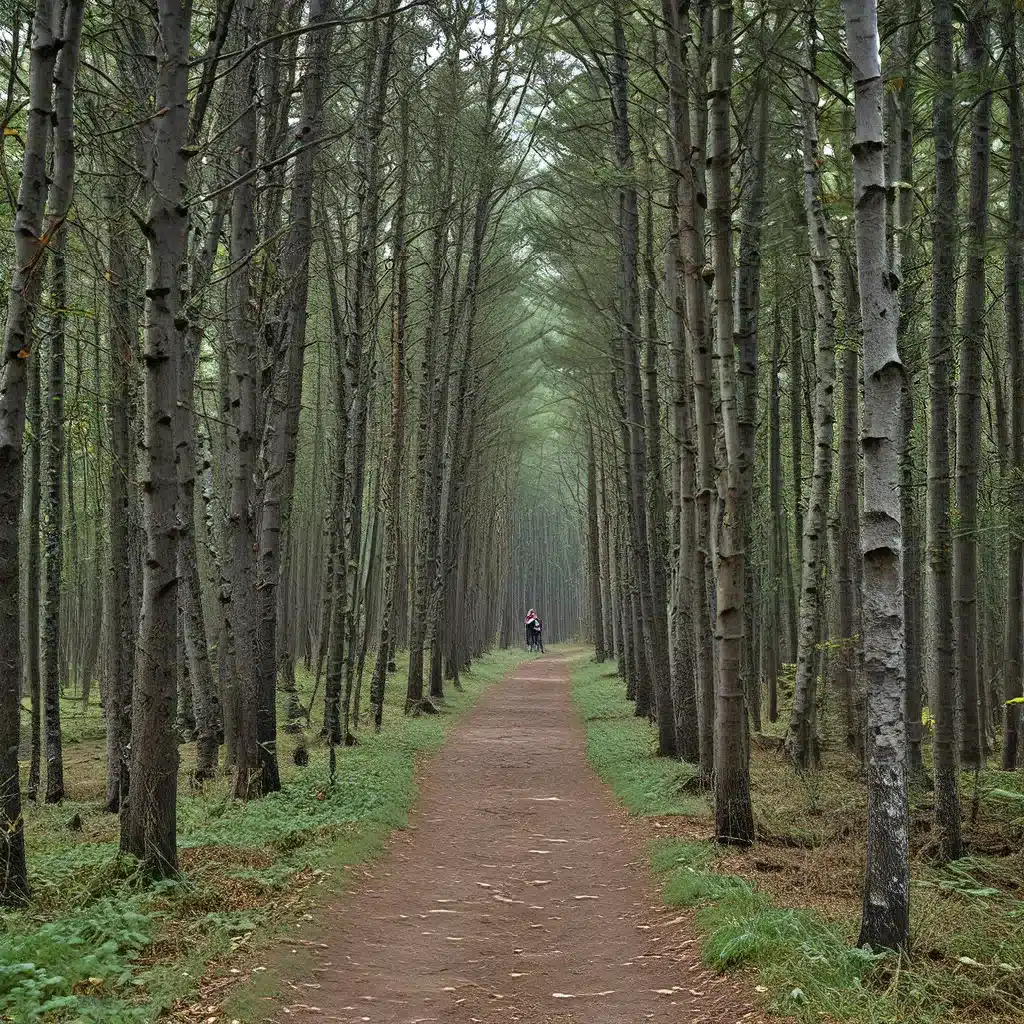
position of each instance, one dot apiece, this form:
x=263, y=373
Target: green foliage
x=967, y=959
x=73, y=955
x=621, y=749
x=687, y=878
x=74, y=968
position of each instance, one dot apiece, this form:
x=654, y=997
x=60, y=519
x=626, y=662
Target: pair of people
x=534, y=637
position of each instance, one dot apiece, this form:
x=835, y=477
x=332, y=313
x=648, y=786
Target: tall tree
x=941, y=678
x=1013, y=272
x=31, y=243
x=734, y=817
x=802, y=737
x=280, y=435
x=968, y=416
x=654, y=628
x=56, y=228
x=150, y=826
x=885, y=922
x=684, y=697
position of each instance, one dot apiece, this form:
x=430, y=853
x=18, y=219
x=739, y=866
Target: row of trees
x=376, y=246
x=266, y=385
x=798, y=375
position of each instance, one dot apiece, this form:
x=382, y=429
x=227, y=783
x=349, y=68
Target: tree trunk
x=61, y=189
x=968, y=417
x=941, y=678
x=199, y=694
x=1013, y=269
x=655, y=509
x=778, y=538
x=692, y=202
x=734, y=818
x=428, y=425
x=901, y=173
x=280, y=434
x=125, y=290
x=886, y=915
x=802, y=738
x=53, y=523
x=150, y=825
x=392, y=497
x=25, y=285
x=848, y=561
x=796, y=428
x=33, y=235
x=593, y=554
x=32, y=650
x=748, y=304
x=243, y=699
x=684, y=696
x=654, y=630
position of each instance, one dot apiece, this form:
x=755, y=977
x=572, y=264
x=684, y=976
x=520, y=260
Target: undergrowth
x=100, y=944
x=769, y=910
x=619, y=748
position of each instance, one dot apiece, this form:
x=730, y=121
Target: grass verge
x=769, y=909
x=99, y=944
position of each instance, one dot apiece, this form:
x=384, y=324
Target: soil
x=518, y=894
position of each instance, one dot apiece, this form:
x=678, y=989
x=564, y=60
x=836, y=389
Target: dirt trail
x=519, y=893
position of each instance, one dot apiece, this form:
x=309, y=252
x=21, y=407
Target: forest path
x=518, y=894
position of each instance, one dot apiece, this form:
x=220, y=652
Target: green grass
x=100, y=944
x=621, y=748
x=966, y=963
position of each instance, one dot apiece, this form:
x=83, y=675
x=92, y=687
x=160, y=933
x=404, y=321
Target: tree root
x=424, y=706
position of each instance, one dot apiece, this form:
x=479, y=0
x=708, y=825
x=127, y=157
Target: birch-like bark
x=199, y=695
x=940, y=666
x=886, y=911
x=734, y=818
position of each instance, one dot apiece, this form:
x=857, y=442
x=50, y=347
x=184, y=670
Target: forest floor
x=100, y=944
x=320, y=896
x=518, y=893
x=786, y=912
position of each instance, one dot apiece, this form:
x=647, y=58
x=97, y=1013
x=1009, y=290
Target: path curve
x=519, y=893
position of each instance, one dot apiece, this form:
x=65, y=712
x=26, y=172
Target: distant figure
x=534, y=637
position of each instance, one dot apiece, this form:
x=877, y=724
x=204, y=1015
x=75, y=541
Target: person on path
x=534, y=639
